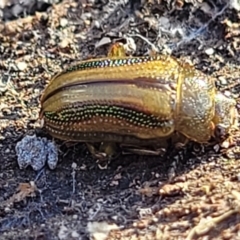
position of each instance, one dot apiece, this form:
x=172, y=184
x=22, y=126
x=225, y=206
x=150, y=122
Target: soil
x=189, y=193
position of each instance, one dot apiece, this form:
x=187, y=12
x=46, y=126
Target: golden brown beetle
x=134, y=100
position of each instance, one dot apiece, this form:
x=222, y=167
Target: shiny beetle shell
x=132, y=99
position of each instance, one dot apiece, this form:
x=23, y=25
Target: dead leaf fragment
x=24, y=190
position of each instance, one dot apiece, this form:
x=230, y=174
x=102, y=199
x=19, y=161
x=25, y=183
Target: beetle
x=134, y=101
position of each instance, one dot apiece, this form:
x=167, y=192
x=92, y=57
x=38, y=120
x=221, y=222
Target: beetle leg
x=127, y=149
x=116, y=50
x=179, y=140
x=103, y=152
x=180, y=145
x=144, y=151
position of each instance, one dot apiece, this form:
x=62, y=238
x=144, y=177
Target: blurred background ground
x=187, y=194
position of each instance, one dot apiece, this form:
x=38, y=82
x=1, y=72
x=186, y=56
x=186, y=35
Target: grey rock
x=36, y=152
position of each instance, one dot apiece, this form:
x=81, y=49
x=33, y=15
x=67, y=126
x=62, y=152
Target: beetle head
x=226, y=116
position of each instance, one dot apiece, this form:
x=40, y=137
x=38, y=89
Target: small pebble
x=22, y=66
x=235, y=4
x=63, y=22
x=3, y=3
x=164, y=21
x=223, y=80
x=75, y=234
x=64, y=43
x=209, y=51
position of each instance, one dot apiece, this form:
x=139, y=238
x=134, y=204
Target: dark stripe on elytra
x=85, y=112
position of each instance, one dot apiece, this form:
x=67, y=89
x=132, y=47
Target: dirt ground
x=192, y=193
